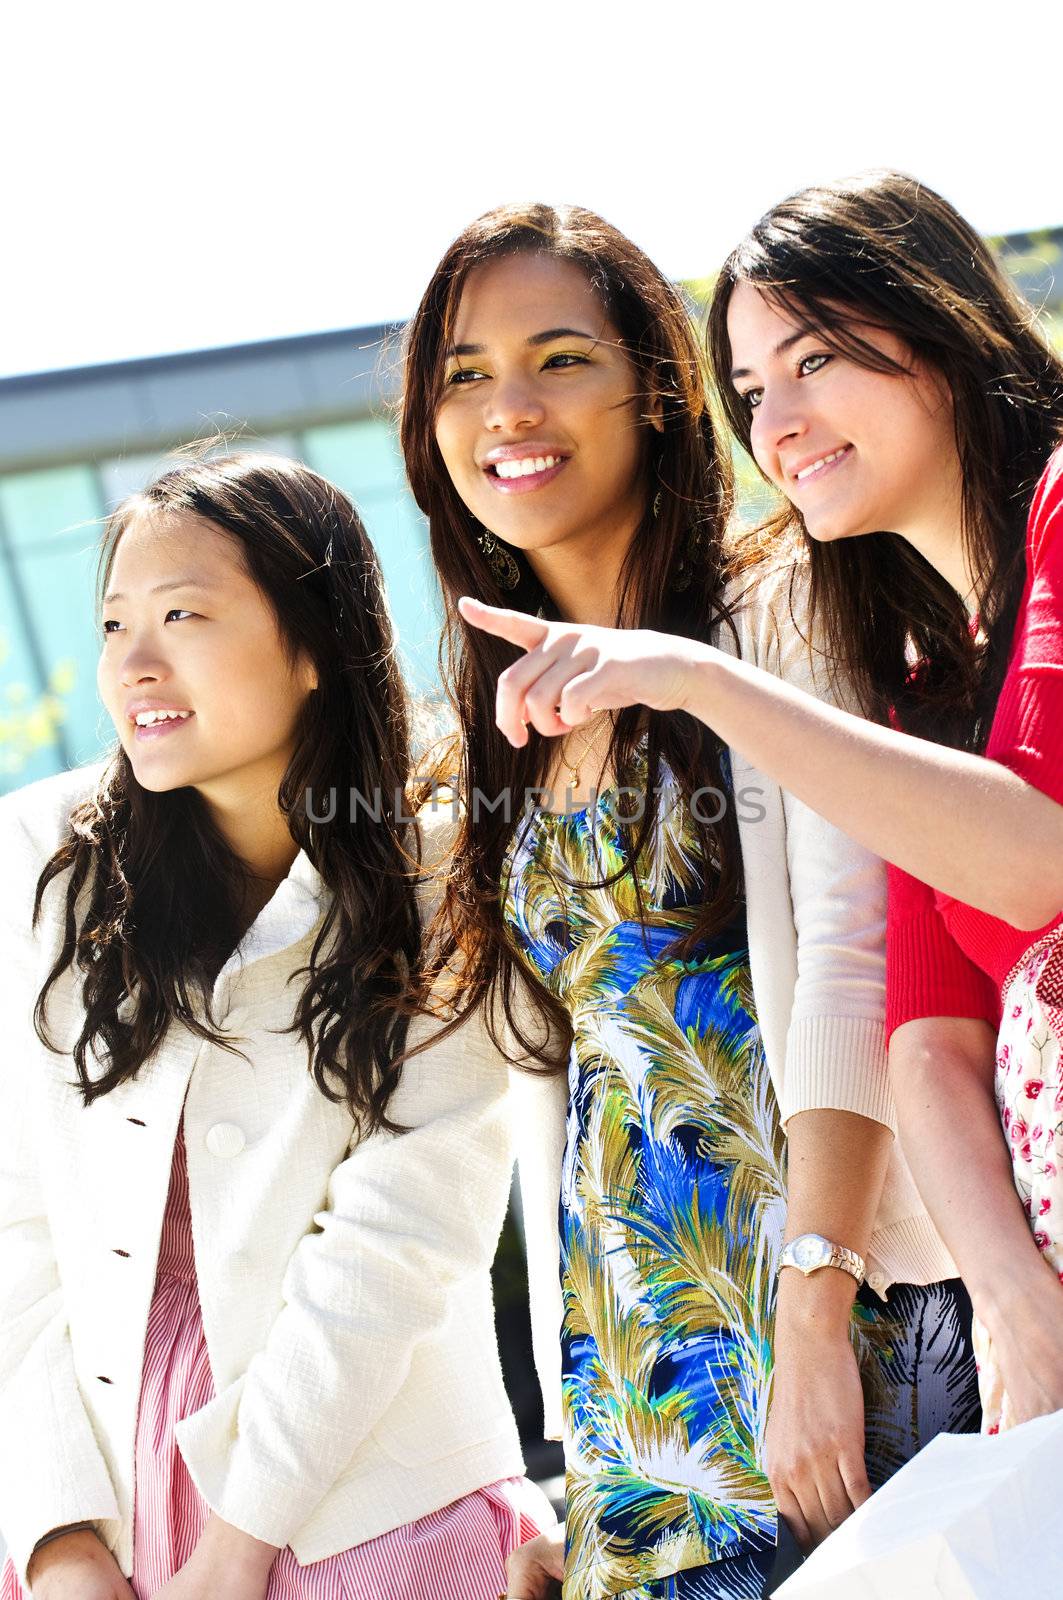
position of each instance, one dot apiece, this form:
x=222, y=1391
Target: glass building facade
x=50, y=520
x=73, y=444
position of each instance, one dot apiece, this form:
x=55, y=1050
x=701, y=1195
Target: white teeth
x=147, y=719
x=822, y=462
x=526, y=467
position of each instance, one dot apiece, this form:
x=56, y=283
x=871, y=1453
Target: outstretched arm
x=968, y=826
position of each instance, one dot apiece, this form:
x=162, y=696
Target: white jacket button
x=225, y=1139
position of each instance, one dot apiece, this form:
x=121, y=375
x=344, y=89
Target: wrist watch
x=810, y=1251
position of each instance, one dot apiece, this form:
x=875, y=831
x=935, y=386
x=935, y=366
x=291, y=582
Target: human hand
x=814, y=1441
x=77, y=1566
x=226, y=1564
x=1027, y=1339
x=534, y=1571
x=570, y=672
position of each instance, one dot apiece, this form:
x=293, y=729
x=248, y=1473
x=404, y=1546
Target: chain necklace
x=574, y=771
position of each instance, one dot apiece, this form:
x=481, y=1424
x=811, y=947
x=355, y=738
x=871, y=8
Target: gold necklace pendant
x=574, y=772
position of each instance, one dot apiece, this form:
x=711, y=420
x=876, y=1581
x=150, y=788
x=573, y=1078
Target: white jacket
x=816, y=921
x=345, y=1286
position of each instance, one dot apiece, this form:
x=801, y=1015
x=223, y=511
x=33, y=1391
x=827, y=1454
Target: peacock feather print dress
x=672, y=1211
x=672, y=1204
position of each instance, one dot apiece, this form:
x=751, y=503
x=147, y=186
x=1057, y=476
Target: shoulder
x=770, y=606
x=778, y=630
x=438, y=822
x=1046, y=510
x=437, y=825
x=769, y=593
x=34, y=819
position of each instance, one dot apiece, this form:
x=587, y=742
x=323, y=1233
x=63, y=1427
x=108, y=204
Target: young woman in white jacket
x=246, y=1333
x=712, y=969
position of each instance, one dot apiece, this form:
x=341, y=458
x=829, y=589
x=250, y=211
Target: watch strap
x=835, y=1255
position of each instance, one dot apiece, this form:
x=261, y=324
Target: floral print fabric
x=1029, y=1091
x=672, y=1213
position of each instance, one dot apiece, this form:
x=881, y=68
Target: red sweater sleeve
x=927, y=974
x=1027, y=731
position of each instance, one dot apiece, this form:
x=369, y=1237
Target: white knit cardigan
x=345, y=1285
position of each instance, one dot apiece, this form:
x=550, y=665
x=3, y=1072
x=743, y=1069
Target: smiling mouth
x=524, y=473
x=815, y=469
x=154, y=724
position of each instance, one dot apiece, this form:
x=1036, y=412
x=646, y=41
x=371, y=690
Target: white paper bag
x=968, y=1518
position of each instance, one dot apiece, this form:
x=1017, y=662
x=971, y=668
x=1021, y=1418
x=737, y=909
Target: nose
x=777, y=420
x=142, y=665
x=513, y=404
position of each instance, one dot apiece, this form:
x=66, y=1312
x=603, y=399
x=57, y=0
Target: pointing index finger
x=516, y=626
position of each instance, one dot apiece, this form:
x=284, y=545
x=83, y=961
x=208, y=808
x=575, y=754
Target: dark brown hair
x=672, y=577
x=162, y=890
x=886, y=251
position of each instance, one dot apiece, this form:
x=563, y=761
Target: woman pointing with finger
x=710, y=972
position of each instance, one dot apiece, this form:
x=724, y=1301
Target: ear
x=307, y=674
x=654, y=413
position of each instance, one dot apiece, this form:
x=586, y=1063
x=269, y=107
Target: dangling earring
x=504, y=568
x=656, y=505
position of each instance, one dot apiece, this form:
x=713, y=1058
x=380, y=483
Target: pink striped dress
x=457, y=1553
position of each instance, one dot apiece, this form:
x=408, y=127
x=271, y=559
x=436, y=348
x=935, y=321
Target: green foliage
x=28, y=723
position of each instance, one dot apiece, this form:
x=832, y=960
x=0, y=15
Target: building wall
x=76, y=444
x=73, y=444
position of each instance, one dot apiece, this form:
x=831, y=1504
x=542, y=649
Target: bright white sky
x=187, y=175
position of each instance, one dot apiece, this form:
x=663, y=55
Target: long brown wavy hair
x=886, y=251
x=672, y=579
x=152, y=890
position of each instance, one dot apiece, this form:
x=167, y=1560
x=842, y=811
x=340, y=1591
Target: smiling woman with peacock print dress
x=687, y=1004
x=673, y=1205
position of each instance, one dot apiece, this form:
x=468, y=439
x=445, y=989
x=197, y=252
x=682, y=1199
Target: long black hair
x=672, y=579
x=152, y=890
x=885, y=250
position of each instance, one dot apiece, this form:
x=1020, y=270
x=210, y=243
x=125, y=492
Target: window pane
x=125, y=475
x=50, y=519
x=28, y=719
x=364, y=459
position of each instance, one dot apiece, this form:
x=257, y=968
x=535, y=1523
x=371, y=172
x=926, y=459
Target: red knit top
x=944, y=958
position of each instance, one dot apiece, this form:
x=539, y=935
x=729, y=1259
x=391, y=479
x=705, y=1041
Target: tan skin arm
x=814, y=1445
x=76, y=1566
x=226, y=1564
x=941, y=1070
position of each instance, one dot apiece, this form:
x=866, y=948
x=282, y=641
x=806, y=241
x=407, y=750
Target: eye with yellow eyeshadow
x=565, y=358
x=459, y=376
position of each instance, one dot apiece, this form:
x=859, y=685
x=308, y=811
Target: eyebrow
x=534, y=340
x=163, y=588
x=780, y=349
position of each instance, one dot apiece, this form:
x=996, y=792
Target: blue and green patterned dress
x=672, y=1212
